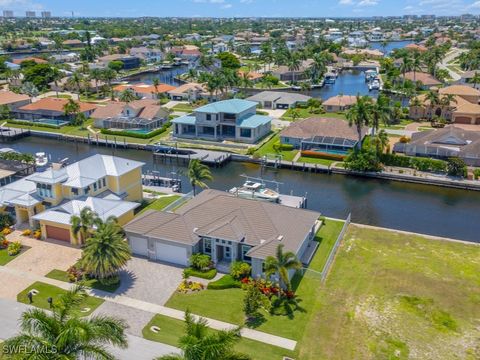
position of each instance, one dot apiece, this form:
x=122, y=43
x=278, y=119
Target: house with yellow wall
x=109, y=185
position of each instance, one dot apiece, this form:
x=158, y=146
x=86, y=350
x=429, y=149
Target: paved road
x=450, y=56
x=138, y=348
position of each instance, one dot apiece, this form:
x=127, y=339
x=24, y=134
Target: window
x=94, y=186
x=246, y=133
x=85, y=191
x=207, y=246
x=209, y=117
x=245, y=249
x=99, y=184
x=74, y=191
x=104, y=182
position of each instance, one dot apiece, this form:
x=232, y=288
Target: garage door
x=463, y=120
x=171, y=253
x=139, y=246
x=57, y=233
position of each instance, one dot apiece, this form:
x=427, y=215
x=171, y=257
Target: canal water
x=420, y=208
x=390, y=46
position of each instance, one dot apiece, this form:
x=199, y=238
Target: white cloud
x=368, y=3
x=345, y=2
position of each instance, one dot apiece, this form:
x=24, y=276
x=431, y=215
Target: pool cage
x=328, y=144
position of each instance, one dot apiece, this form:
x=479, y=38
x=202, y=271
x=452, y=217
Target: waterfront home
x=339, y=103
x=19, y=61
x=226, y=227
x=190, y=92
x=190, y=53
x=145, y=115
x=285, y=74
x=64, y=189
x=451, y=141
x=65, y=58
x=328, y=135
x=427, y=81
x=50, y=111
x=367, y=53
x=13, y=100
x=73, y=43
x=150, y=55
x=279, y=100
x=129, y=62
x=464, y=109
x=224, y=120
x=253, y=76
x=143, y=91
x=415, y=47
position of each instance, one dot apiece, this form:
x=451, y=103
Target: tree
x=127, y=96
x=199, y=342
x=229, y=61
x=106, y=251
x=156, y=84
x=39, y=75
x=197, y=174
x=71, y=108
x=115, y=65
x=416, y=64
x=82, y=224
x=108, y=75
x=75, y=81
x=456, y=167
x=293, y=64
x=96, y=75
x=360, y=115
x=475, y=79
x=5, y=112
x=30, y=89
x=253, y=301
x=380, y=112
x=280, y=264
x=63, y=334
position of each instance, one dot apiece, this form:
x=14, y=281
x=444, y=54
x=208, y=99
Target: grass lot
x=161, y=203
x=93, y=283
x=267, y=149
x=306, y=113
x=183, y=107
x=172, y=329
x=397, y=296
x=326, y=236
x=312, y=160
x=5, y=258
x=227, y=304
x=47, y=290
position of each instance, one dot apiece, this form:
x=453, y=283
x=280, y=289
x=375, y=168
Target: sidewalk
x=158, y=309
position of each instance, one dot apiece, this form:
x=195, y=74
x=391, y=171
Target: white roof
x=17, y=190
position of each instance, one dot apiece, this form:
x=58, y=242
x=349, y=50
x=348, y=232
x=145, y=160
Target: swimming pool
x=139, y=131
x=51, y=122
x=331, y=151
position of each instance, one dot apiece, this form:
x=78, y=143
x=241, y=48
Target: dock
x=154, y=180
x=207, y=157
x=10, y=134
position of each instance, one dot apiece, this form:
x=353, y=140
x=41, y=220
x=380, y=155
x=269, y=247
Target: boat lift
x=263, y=181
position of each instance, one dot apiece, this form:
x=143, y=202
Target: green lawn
x=161, y=203
x=172, y=329
x=311, y=160
x=93, y=283
x=47, y=290
x=5, y=258
x=267, y=149
x=183, y=107
x=397, y=296
x=326, y=236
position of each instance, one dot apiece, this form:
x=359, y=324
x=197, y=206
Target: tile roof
x=330, y=127
x=281, y=97
x=37, y=60
x=9, y=97
x=425, y=78
x=55, y=104
x=144, y=88
x=459, y=90
x=341, y=100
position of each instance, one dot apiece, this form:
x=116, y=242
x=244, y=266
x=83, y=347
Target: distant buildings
x=7, y=14
x=30, y=14
x=46, y=14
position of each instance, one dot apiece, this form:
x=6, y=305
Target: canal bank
x=425, y=209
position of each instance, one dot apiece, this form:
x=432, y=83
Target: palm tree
x=199, y=342
x=108, y=76
x=293, y=64
x=280, y=264
x=96, y=74
x=63, y=334
x=245, y=81
x=416, y=64
x=75, y=81
x=434, y=99
x=82, y=224
x=475, y=79
x=198, y=173
x=127, y=96
x=106, y=251
x=156, y=84
x=71, y=108
x=360, y=115
x=406, y=65
x=380, y=112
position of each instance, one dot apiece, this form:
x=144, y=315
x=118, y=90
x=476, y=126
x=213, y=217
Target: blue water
x=347, y=83
x=331, y=151
x=48, y=122
x=166, y=76
x=390, y=46
x=139, y=131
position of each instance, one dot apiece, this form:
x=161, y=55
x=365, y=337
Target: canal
x=420, y=208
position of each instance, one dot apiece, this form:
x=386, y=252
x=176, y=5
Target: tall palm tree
x=156, y=84
x=75, y=81
x=434, y=100
x=127, y=96
x=416, y=64
x=96, y=75
x=106, y=251
x=475, y=79
x=82, y=224
x=293, y=64
x=360, y=115
x=245, y=80
x=108, y=75
x=63, y=334
x=198, y=173
x=199, y=342
x=406, y=65
x=380, y=112
x=280, y=264
x=71, y=108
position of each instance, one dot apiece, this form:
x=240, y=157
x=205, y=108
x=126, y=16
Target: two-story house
x=108, y=185
x=224, y=120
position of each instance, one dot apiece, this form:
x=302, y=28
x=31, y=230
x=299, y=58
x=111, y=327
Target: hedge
x=32, y=123
x=323, y=155
x=421, y=164
x=127, y=133
x=208, y=275
x=225, y=282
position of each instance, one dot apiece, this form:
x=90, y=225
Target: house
x=322, y=135
x=19, y=61
x=65, y=58
x=285, y=74
x=73, y=43
x=144, y=91
x=426, y=79
x=451, y=141
x=415, y=47
x=225, y=227
x=467, y=77
x=50, y=109
x=189, y=92
x=150, y=55
x=339, y=103
x=13, y=100
x=279, y=100
x=129, y=62
x=94, y=182
x=464, y=108
x=368, y=53
x=253, y=76
x=229, y=119
x=139, y=115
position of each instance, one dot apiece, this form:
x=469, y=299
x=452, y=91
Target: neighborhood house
x=279, y=100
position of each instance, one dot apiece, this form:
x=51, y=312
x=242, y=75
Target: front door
x=219, y=253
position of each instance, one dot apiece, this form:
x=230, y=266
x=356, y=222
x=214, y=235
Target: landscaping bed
x=5, y=258
x=208, y=274
x=46, y=290
x=92, y=283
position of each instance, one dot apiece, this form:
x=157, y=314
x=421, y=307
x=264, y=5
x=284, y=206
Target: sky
x=243, y=8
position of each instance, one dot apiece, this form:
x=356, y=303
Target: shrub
x=112, y=280
x=259, y=112
x=31, y=123
x=132, y=134
x=188, y=286
x=6, y=220
x=240, y=270
x=253, y=301
x=476, y=174
x=200, y=261
x=74, y=273
x=225, y=282
x=456, y=167
x=14, y=248
x=322, y=155
x=404, y=140
x=7, y=231
x=4, y=244
x=37, y=234
x=27, y=232
x=208, y=274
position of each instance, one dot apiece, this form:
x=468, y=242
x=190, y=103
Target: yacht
x=41, y=159
x=255, y=190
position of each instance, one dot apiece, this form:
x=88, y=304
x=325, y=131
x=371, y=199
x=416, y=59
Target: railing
x=177, y=203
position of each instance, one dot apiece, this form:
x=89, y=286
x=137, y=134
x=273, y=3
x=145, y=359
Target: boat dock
x=10, y=134
x=299, y=202
x=207, y=157
x=154, y=180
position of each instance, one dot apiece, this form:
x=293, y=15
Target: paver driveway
x=149, y=281
x=44, y=256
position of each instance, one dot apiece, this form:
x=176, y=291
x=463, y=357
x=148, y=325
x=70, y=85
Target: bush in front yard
x=240, y=270
x=225, y=282
x=200, y=262
x=208, y=274
x=14, y=248
x=6, y=220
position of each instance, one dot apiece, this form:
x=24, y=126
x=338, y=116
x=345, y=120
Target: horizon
x=309, y=9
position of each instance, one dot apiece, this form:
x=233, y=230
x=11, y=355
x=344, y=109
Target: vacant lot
x=397, y=296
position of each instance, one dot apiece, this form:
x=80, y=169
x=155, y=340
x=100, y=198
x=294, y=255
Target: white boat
x=41, y=159
x=255, y=190
x=374, y=85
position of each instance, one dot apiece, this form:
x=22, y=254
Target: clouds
x=358, y=3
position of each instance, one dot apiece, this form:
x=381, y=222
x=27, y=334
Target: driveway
x=43, y=256
x=149, y=281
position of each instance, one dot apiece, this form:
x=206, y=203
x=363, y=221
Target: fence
x=177, y=203
x=333, y=252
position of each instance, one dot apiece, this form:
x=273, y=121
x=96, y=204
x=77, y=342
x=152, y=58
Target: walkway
x=156, y=309
x=454, y=53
